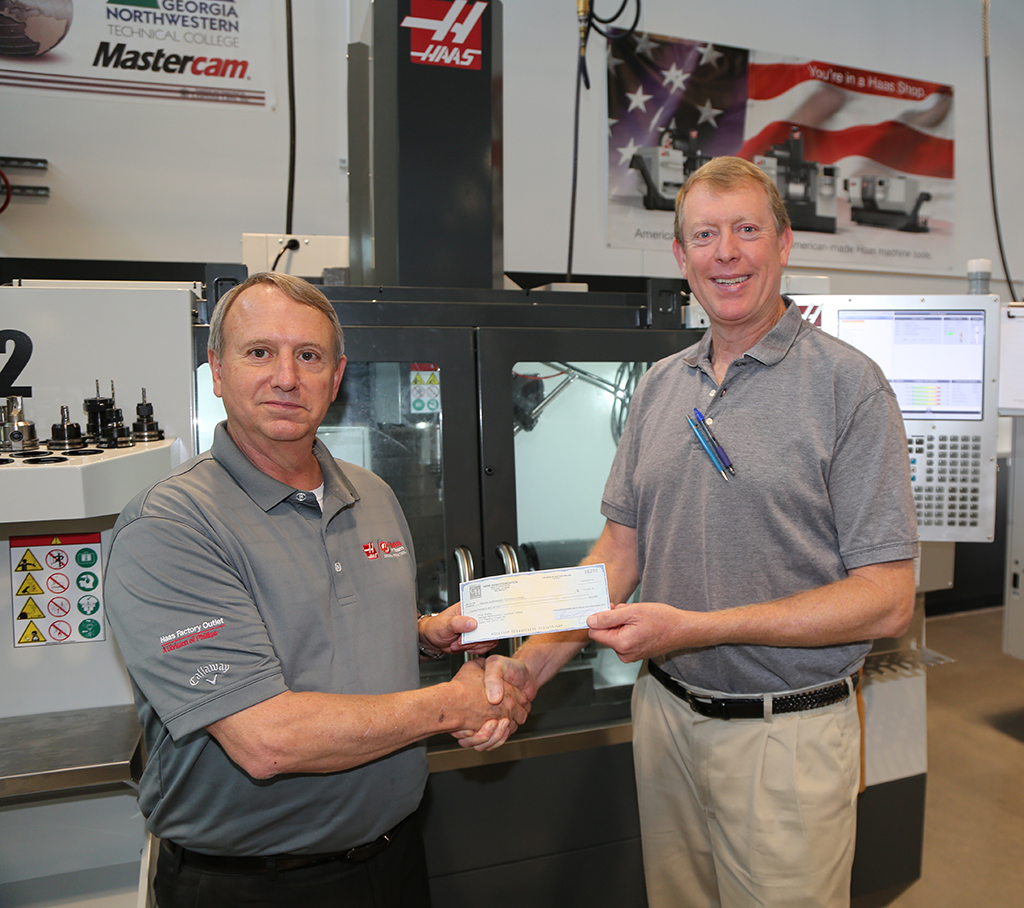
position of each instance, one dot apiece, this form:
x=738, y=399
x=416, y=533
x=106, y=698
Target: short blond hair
x=724, y=174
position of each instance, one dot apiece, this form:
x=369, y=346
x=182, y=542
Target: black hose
x=289, y=41
x=991, y=157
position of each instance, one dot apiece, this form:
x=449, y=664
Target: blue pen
x=719, y=450
x=706, y=445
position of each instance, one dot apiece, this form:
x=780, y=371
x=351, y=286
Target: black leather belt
x=276, y=863
x=753, y=707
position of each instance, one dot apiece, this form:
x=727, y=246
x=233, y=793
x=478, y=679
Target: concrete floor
x=974, y=814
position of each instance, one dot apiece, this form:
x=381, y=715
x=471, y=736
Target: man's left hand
x=442, y=631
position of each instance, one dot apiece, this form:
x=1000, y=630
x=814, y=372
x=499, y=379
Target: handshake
x=491, y=698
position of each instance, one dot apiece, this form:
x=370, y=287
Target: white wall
x=182, y=181
x=132, y=180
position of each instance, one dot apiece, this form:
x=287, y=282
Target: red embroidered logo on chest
x=393, y=549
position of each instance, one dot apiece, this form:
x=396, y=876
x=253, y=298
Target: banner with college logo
x=207, y=51
x=864, y=160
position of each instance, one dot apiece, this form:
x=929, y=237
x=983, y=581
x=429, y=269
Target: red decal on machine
x=442, y=36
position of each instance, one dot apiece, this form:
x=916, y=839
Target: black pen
x=719, y=450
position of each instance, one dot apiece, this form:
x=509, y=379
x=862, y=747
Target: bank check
x=534, y=602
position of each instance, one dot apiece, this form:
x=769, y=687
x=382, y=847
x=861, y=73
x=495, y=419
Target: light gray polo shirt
x=822, y=486
x=225, y=587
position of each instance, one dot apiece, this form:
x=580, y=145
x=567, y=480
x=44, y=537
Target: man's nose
x=286, y=373
x=725, y=248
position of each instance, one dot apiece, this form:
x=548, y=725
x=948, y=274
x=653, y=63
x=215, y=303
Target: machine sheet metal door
x=553, y=406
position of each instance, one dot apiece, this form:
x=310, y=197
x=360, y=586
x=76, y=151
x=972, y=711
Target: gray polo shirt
x=225, y=587
x=822, y=486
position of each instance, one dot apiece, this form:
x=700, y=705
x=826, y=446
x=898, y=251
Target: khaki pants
x=742, y=813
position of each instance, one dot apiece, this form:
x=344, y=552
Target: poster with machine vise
x=863, y=159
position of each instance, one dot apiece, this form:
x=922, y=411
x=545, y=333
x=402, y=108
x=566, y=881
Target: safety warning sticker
x=424, y=388
x=57, y=584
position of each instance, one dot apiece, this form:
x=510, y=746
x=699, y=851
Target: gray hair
x=293, y=287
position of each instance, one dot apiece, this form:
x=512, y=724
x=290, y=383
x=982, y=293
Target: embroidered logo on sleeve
x=209, y=673
x=186, y=635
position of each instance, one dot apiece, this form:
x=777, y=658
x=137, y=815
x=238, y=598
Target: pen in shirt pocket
x=719, y=450
x=706, y=445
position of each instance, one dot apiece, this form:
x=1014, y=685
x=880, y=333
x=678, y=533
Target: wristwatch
x=424, y=651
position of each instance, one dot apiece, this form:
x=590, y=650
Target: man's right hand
x=496, y=706
x=500, y=670
x=500, y=673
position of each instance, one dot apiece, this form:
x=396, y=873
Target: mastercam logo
x=157, y=61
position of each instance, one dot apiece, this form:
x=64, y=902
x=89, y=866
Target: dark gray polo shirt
x=822, y=486
x=225, y=587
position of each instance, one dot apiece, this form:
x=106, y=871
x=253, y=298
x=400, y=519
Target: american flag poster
x=863, y=159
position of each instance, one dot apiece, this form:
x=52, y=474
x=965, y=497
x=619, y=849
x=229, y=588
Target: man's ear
x=786, y=245
x=339, y=370
x=677, y=251
x=214, y=371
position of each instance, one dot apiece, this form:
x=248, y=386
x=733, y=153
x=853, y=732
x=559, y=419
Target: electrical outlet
x=260, y=251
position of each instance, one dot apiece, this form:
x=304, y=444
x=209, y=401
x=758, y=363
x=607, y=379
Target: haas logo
x=812, y=313
x=442, y=36
x=383, y=548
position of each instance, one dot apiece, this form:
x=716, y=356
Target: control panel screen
x=933, y=358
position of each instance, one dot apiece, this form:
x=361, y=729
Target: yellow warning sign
x=32, y=634
x=28, y=562
x=31, y=610
x=417, y=379
x=433, y=379
x=29, y=587
x=56, y=540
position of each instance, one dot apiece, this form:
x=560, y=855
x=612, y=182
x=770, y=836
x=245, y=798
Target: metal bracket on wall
x=12, y=163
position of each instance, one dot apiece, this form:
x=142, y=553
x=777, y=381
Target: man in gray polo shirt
x=769, y=552
x=263, y=597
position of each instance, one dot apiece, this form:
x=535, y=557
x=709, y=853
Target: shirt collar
x=769, y=350
x=268, y=492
